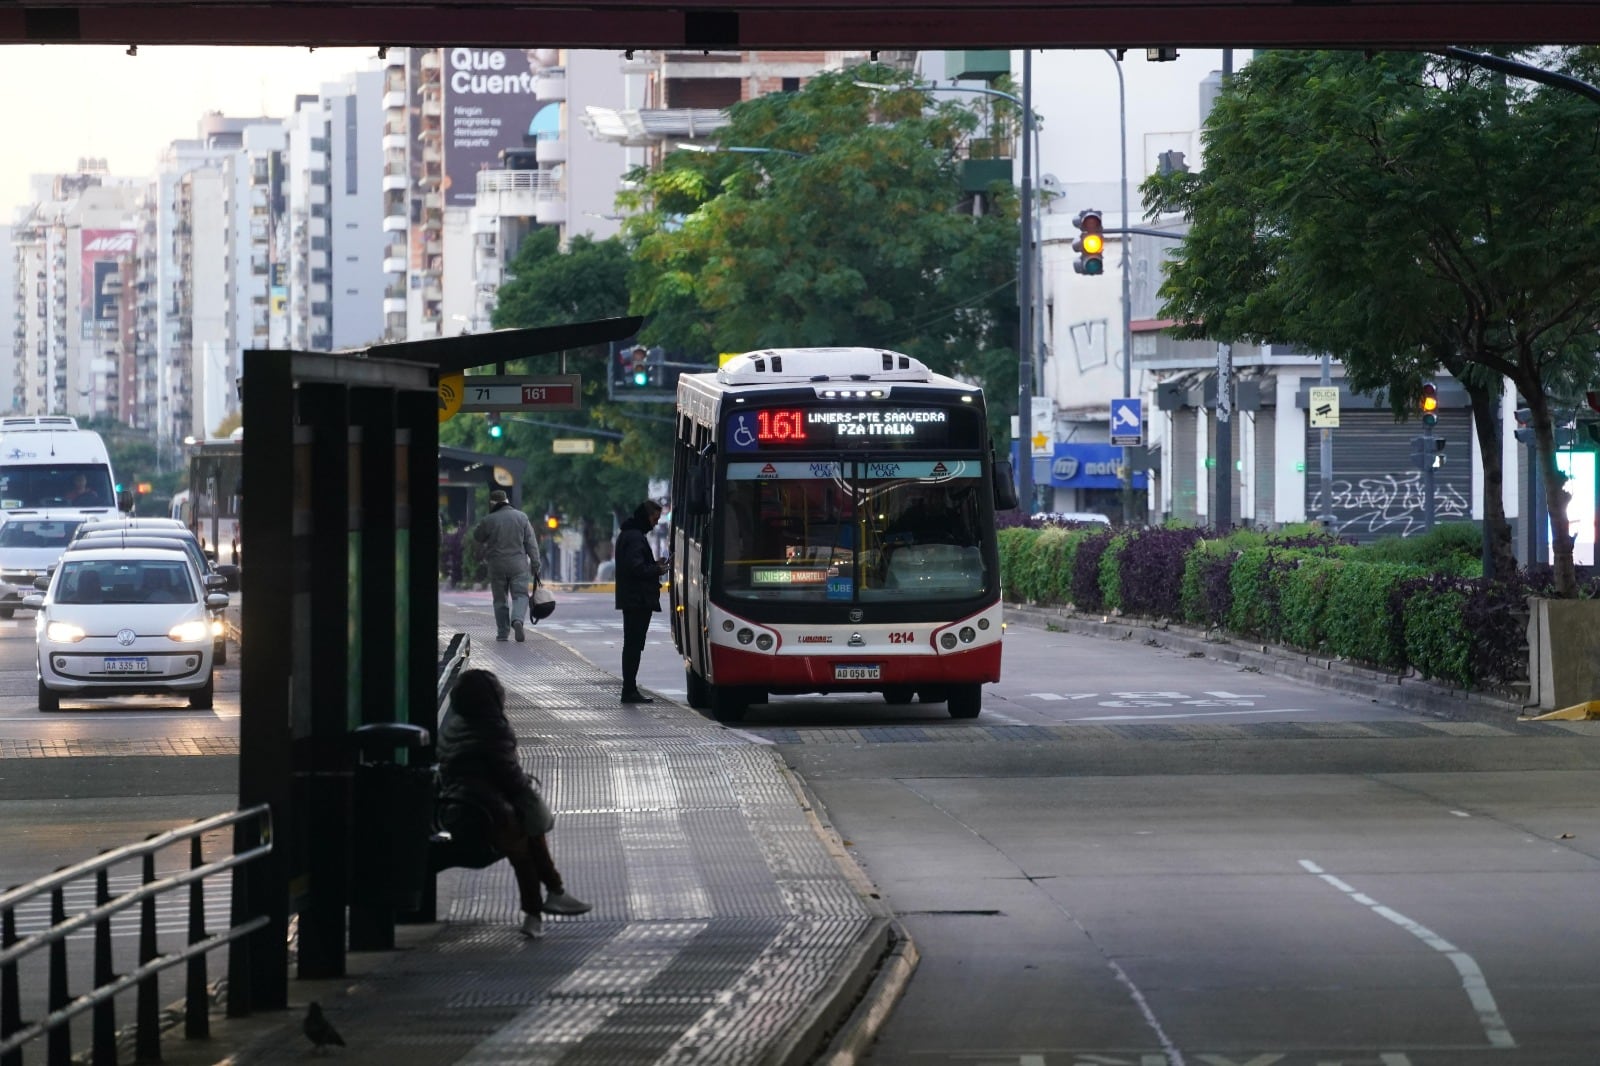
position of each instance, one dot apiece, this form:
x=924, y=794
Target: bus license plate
x=127, y=665
x=855, y=672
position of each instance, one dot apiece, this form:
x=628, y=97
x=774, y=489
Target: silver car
x=30, y=544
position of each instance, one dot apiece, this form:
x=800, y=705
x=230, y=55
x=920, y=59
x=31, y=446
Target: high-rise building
x=74, y=251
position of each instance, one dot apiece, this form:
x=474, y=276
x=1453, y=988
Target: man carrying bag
x=511, y=552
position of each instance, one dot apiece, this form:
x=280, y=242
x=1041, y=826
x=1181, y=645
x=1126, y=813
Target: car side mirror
x=215, y=581
x=230, y=575
x=216, y=600
x=125, y=501
x=1005, y=491
x=34, y=600
x=42, y=583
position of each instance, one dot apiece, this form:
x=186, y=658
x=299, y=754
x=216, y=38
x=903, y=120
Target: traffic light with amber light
x=1091, y=243
x=1428, y=404
x=552, y=522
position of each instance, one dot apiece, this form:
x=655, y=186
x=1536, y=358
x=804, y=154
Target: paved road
x=1131, y=858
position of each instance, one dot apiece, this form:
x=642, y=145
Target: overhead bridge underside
x=795, y=24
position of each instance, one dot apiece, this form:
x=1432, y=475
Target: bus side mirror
x=1005, y=491
x=698, y=498
x=125, y=501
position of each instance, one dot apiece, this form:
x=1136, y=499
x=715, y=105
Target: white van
x=48, y=463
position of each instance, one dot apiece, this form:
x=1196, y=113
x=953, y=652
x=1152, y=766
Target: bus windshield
x=854, y=531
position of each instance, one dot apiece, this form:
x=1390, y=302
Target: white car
x=125, y=621
x=30, y=544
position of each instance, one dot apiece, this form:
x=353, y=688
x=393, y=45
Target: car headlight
x=191, y=632
x=217, y=629
x=64, y=632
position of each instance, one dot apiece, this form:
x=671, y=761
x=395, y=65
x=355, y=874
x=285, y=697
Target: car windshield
x=858, y=531
x=23, y=533
x=125, y=581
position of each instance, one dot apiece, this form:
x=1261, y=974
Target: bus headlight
x=968, y=635
x=727, y=625
x=947, y=641
x=764, y=642
x=746, y=636
x=983, y=623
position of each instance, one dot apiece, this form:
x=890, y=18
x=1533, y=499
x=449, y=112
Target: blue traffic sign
x=1127, y=422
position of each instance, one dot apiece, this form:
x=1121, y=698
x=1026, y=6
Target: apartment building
x=74, y=251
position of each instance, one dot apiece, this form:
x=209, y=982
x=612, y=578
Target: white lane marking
x=1188, y=714
x=1472, y=979
x=1461, y=814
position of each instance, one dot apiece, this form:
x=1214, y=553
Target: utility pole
x=1222, y=521
x=1325, y=463
x=1025, y=298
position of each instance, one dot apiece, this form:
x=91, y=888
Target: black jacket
x=477, y=753
x=638, y=576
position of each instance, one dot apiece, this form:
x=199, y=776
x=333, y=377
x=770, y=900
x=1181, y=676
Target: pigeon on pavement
x=319, y=1030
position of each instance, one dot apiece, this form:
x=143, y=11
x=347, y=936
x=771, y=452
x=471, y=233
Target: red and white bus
x=833, y=531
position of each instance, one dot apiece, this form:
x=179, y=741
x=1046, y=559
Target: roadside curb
x=1404, y=690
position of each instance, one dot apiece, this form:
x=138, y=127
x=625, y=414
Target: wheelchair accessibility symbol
x=742, y=437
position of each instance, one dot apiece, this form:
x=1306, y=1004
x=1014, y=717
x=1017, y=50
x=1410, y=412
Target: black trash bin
x=392, y=819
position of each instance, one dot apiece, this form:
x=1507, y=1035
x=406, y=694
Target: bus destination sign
x=837, y=427
x=484, y=392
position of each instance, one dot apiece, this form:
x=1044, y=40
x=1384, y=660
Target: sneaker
x=532, y=926
x=635, y=696
x=501, y=636
x=565, y=903
x=517, y=628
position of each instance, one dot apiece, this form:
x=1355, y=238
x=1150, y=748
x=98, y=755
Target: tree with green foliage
x=1404, y=213
x=551, y=286
x=850, y=228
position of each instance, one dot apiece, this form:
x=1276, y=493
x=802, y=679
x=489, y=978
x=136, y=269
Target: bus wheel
x=728, y=704
x=898, y=694
x=699, y=692
x=936, y=694
x=966, y=701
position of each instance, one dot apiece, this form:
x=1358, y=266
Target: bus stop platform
x=728, y=924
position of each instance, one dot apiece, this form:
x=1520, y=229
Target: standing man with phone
x=511, y=552
x=638, y=591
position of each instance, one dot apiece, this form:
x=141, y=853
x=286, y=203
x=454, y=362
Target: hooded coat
x=638, y=575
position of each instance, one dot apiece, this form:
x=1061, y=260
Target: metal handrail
x=62, y=1007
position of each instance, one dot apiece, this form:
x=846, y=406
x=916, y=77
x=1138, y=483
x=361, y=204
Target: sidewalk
x=728, y=926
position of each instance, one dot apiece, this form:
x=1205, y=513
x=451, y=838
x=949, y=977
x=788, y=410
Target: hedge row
x=1420, y=605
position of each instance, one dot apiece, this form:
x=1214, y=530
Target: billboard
x=489, y=105
x=100, y=290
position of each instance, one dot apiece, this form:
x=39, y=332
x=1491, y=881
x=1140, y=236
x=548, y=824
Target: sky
x=73, y=101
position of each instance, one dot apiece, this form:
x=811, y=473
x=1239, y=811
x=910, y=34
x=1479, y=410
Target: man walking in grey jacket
x=512, y=554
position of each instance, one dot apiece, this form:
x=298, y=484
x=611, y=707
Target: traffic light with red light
x=1428, y=404
x=1091, y=242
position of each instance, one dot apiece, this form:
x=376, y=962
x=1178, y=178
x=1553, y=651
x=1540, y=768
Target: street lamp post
x=1025, y=264
x=1127, y=289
